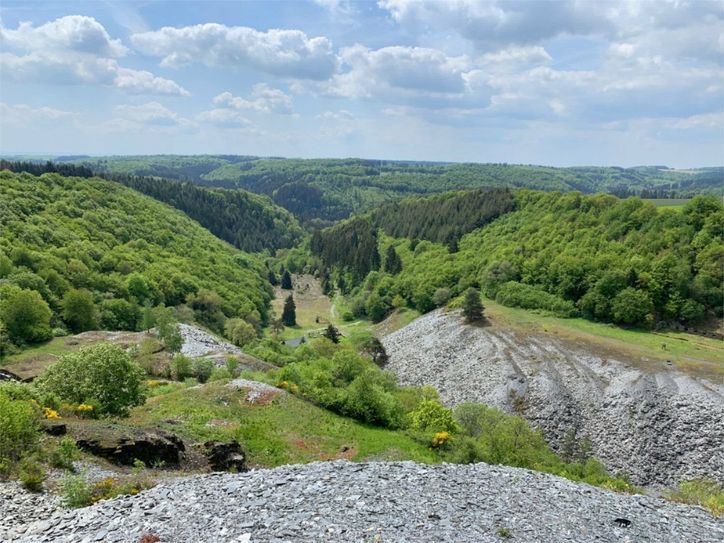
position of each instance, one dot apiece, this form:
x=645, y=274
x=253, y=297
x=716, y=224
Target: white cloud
x=285, y=53
x=74, y=33
x=224, y=118
x=263, y=98
x=143, y=82
x=24, y=113
x=75, y=50
x=151, y=113
x=514, y=57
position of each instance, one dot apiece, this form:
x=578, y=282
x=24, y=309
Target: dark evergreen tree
x=472, y=305
x=289, y=314
x=286, y=280
x=273, y=278
x=331, y=333
x=393, y=264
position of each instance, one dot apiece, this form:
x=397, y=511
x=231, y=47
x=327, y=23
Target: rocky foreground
x=385, y=502
x=654, y=424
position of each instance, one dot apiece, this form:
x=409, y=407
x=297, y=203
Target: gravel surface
x=255, y=390
x=19, y=508
x=198, y=342
x=658, y=427
x=390, y=502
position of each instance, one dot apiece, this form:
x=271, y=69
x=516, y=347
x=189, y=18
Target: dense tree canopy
x=63, y=234
x=622, y=261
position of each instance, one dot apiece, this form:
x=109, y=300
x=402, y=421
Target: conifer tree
x=286, y=280
x=472, y=305
x=332, y=334
x=289, y=314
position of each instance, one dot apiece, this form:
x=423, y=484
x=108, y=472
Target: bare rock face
x=225, y=456
x=149, y=446
x=658, y=426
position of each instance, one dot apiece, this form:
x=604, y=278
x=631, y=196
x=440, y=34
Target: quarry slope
x=342, y=501
x=653, y=423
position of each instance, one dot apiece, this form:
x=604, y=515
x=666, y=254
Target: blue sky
x=569, y=82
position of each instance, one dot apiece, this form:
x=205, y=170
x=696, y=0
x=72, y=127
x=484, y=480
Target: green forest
x=606, y=259
x=332, y=189
x=79, y=254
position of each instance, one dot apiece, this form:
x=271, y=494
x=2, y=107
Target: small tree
x=103, y=375
x=273, y=280
x=79, y=310
x=289, y=314
x=239, y=331
x=331, y=333
x=286, y=280
x=441, y=296
x=26, y=315
x=472, y=305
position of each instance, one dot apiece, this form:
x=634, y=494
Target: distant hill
x=332, y=189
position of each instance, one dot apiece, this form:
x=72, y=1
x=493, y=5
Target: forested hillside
x=352, y=246
x=622, y=261
x=78, y=253
x=248, y=221
x=332, y=189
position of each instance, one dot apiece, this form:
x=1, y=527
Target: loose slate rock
x=396, y=501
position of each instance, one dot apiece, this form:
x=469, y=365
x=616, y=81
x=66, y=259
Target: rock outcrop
x=149, y=446
x=346, y=502
x=658, y=426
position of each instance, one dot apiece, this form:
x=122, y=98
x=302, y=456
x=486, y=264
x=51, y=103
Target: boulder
x=53, y=428
x=149, y=446
x=227, y=456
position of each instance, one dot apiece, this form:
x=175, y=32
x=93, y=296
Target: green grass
x=688, y=352
x=669, y=203
x=31, y=361
x=285, y=430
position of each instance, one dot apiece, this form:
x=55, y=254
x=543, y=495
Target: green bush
x=31, y=474
x=633, y=306
x=103, y=375
x=432, y=416
x=19, y=430
x=64, y=454
x=239, y=331
x=119, y=314
x=515, y=294
x=181, y=368
x=75, y=491
x=701, y=492
x=202, y=368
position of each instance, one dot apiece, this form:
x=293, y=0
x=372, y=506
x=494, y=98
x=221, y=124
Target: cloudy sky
x=563, y=83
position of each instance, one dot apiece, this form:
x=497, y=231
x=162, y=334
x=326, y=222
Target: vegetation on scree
x=610, y=260
x=78, y=253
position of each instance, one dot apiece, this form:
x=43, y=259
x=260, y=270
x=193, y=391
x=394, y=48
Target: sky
x=570, y=82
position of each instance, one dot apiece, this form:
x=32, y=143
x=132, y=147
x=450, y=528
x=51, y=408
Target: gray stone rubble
x=390, y=502
x=655, y=424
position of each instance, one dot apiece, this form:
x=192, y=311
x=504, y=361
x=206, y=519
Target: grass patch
x=669, y=203
x=285, y=430
x=701, y=492
x=688, y=352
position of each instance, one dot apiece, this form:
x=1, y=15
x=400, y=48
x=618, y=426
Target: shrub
x=702, y=492
x=431, y=415
x=181, y=367
x=239, y=331
x=369, y=398
x=75, y=491
x=64, y=454
x=202, y=368
x=103, y=375
x=31, y=474
x=441, y=439
x=441, y=296
x=19, y=432
x=515, y=294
